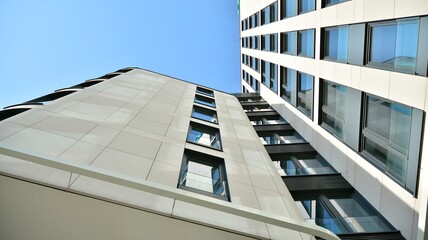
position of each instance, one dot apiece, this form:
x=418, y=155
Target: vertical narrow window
x=305, y=93
x=204, y=174
x=334, y=108
x=269, y=14
x=393, y=45
x=289, y=43
x=305, y=46
x=273, y=42
x=288, y=84
x=270, y=76
x=204, y=135
x=336, y=43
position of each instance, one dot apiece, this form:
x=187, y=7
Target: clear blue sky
x=50, y=44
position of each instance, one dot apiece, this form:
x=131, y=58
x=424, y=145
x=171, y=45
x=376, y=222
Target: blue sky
x=51, y=44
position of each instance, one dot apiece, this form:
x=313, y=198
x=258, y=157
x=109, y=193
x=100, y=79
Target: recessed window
x=204, y=135
x=305, y=93
x=302, y=164
x=336, y=43
x=326, y=3
x=305, y=43
x=204, y=174
x=205, y=91
x=204, y=114
x=244, y=24
x=334, y=108
x=288, y=84
x=270, y=76
x=290, y=8
x=306, y=6
x=205, y=101
x=254, y=42
x=254, y=64
x=394, y=44
x=289, y=43
x=254, y=20
x=269, y=14
x=270, y=42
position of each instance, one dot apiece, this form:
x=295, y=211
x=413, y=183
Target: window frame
x=198, y=100
x=368, y=48
x=203, y=110
x=208, y=160
x=207, y=130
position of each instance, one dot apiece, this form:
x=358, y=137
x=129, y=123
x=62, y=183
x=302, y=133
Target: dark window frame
x=208, y=160
x=205, y=129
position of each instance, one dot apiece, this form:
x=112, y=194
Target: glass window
x=288, y=8
x=267, y=120
x=387, y=135
x=254, y=20
x=288, y=83
x=343, y=214
x=289, y=43
x=327, y=3
x=306, y=6
x=270, y=42
x=287, y=137
x=254, y=63
x=303, y=164
x=305, y=46
x=203, y=174
x=244, y=24
x=394, y=45
x=205, y=101
x=204, y=135
x=269, y=14
x=204, y=114
x=270, y=76
x=205, y=91
x=305, y=93
x=334, y=108
x=336, y=43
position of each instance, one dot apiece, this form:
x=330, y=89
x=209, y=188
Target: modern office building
x=139, y=155
x=350, y=78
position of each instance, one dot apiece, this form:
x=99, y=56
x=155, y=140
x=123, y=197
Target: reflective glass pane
x=382, y=49
x=406, y=45
x=306, y=43
x=399, y=131
x=307, y=5
x=305, y=93
x=378, y=116
x=376, y=150
x=290, y=8
x=204, y=114
x=359, y=217
x=205, y=101
x=336, y=44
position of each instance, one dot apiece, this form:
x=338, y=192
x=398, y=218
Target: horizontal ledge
x=162, y=190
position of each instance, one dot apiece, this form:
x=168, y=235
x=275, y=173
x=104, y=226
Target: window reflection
x=394, y=44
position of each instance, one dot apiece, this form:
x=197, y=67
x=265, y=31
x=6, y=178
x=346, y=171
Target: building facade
x=139, y=155
x=351, y=78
